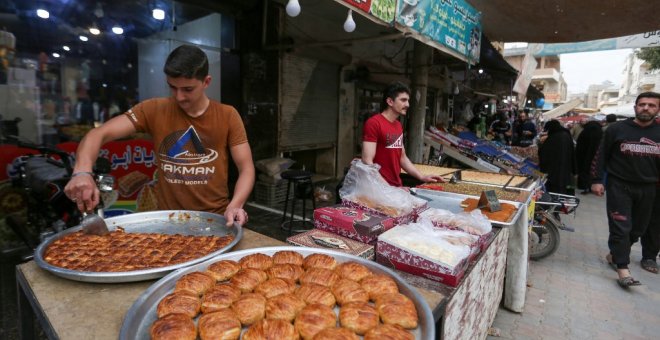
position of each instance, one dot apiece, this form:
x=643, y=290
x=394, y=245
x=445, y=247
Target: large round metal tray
x=182, y=222
x=142, y=313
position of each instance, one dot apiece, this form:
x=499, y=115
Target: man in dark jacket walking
x=630, y=155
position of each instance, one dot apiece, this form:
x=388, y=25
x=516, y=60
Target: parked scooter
x=544, y=235
x=43, y=176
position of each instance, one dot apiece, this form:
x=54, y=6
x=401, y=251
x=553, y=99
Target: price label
x=489, y=199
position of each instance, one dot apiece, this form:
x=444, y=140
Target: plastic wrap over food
x=473, y=222
x=445, y=247
x=365, y=186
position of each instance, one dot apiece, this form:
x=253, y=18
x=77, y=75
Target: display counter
x=77, y=310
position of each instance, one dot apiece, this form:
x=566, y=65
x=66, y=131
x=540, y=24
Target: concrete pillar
x=420, y=71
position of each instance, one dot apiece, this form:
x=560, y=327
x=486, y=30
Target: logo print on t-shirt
x=645, y=147
x=184, y=159
x=392, y=143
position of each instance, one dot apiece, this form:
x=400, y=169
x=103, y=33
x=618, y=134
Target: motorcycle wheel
x=544, y=238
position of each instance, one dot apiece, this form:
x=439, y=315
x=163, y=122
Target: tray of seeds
x=474, y=189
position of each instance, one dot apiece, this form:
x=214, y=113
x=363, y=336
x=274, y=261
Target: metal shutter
x=310, y=104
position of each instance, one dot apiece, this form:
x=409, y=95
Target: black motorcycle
x=544, y=236
x=42, y=177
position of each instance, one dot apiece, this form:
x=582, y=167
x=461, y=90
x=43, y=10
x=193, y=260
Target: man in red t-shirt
x=382, y=141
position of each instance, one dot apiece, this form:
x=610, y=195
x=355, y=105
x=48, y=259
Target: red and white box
x=316, y=238
x=353, y=223
x=407, y=249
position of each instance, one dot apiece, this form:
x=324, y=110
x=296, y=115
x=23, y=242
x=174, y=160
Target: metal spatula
x=93, y=224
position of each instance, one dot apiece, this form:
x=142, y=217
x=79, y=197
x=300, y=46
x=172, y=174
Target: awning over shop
x=625, y=110
x=561, y=109
x=554, y=21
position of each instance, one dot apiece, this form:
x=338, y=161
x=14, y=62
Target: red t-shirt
x=388, y=137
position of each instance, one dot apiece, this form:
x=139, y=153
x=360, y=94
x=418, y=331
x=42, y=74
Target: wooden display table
x=79, y=310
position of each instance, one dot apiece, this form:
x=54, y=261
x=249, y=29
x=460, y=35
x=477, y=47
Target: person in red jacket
x=382, y=141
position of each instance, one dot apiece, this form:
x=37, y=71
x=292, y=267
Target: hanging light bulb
x=456, y=89
x=349, y=24
x=293, y=8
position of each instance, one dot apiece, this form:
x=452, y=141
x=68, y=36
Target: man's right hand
x=598, y=189
x=82, y=190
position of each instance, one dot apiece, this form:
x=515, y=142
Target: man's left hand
x=432, y=179
x=237, y=215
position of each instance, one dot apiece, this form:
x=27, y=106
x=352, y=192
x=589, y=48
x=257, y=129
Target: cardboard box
x=324, y=240
x=393, y=257
x=353, y=223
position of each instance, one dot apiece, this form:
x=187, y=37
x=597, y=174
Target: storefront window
x=69, y=65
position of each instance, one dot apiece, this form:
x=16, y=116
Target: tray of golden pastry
x=140, y=246
x=280, y=293
x=457, y=203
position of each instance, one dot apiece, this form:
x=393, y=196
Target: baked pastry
x=248, y=279
x=284, y=306
x=219, y=297
x=313, y=319
x=130, y=183
x=120, y=251
x=271, y=329
x=319, y=276
x=249, y=308
x=222, y=324
x=378, y=284
x=353, y=271
x=256, y=261
x=359, y=317
x=346, y=291
x=275, y=287
x=388, y=332
x=397, y=309
x=173, y=327
x=195, y=282
x=336, y=334
x=312, y=293
x=285, y=271
x=319, y=261
x=223, y=270
x=288, y=257
x=181, y=302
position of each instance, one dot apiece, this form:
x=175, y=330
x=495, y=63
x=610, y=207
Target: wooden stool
x=303, y=188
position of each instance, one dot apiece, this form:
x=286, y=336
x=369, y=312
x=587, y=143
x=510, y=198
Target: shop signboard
x=133, y=165
x=451, y=23
x=646, y=39
x=381, y=9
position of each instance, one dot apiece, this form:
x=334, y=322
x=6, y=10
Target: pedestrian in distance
x=193, y=136
x=557, y=158
x=585, y=149
x=630, y=155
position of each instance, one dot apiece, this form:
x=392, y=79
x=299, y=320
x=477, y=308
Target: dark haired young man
x=193, y=137
x=382, y=141
x=630, y=154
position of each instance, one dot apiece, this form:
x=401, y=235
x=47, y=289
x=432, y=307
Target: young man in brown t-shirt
x=193, y=137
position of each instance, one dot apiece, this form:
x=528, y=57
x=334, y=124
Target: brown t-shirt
x=192, y=153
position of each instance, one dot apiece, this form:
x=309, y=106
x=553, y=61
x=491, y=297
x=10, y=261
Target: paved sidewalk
x=573, y=293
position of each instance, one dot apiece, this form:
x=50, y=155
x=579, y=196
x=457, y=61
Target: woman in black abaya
x=557, y=158
x=585, y=150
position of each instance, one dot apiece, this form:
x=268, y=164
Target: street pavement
x=573, y=293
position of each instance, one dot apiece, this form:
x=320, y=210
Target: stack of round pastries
x=285, y=296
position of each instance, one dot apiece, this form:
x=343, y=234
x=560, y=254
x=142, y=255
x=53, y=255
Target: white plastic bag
x=365, y=186
x=473, y=222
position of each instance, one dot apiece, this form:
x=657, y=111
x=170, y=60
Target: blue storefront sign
x=451, y=23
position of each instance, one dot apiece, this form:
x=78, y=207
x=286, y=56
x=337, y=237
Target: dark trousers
x=629, y=208
x=651, y=238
